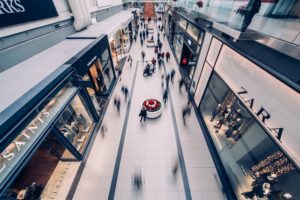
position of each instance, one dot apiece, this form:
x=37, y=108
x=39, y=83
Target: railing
x=237, y=14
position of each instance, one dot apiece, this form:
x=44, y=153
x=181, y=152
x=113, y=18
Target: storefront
x=186, y=41
x=120, y=44
x=252, y=119
x=47, y=126
x=95, y=71
x=118, y=29
x=41, y=154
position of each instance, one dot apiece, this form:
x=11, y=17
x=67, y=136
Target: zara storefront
x=252, y=119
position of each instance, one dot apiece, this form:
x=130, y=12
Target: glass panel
x=255, y=165
x=105, y=57
x=76, y=124
x=44, y=174
x=183, y=23
x=16, y=150
x=193, y=31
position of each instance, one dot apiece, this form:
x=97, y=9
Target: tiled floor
x=151, y=147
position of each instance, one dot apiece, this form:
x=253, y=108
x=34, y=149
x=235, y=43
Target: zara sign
x=261, y=113
x=19, y=11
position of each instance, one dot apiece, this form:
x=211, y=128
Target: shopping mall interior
x=150, y=99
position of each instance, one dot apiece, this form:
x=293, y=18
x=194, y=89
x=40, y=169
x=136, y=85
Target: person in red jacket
x=167, y=56
x=153, y=62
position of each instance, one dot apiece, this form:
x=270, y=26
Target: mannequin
x=215, y=112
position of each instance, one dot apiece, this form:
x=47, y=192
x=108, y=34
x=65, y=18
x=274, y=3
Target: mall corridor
x=153, y=147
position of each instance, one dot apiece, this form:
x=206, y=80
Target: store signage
x=19, y=11
x=261, y=113
x=17, y=146
x=192, y=63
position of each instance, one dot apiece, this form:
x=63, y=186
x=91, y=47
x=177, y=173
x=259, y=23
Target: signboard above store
x=19, y=11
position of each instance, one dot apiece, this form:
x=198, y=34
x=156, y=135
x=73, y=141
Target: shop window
x=183, y=23
x=256, y=166
x=193, y=31
x=105, y=57
x=44, y=173
x=76, y=125
x=31, y=132
x=101, y=77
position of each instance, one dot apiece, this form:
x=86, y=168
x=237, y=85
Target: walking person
x=249, y=11
x=162, y=81
x=172, y=75
x=134, y=37
x=159, y=63
x=137, y=180
x=117, y=103
x=186, y=111
x=143, y=55
x=103, y=130
x=143, y=115
x=125, y=92
x=119, y=74
x=159, y=45
x=129, y=59
x=153, y=62
x=144, y=35
x=142, y=41
x=167, y=56
x=167, y=80
x=163, y=55
x=165, y=96
x=158, y=55
x=175, y=169
x=181, y=83
x=164, y=35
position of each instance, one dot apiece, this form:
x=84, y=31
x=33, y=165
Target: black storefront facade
x=249, y=124
x=44, y=143
x=186, y=42
x=94, y=70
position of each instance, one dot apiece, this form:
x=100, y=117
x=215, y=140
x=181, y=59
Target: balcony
x=276, y=24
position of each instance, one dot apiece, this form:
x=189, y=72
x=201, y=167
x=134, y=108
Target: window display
x=183, y=23
x=76, y=124
x=30, y=133
x=102, y=76
x=256, y=166
x=40, y=172
x=178, y=43
x=193, y=31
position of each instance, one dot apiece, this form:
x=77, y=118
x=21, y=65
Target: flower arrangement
x=152, y=105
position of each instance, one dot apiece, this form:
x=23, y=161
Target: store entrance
x=186, y=56
x=187, y=68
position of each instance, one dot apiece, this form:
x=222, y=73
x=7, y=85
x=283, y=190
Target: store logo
x=11, y=6
x=21, y=140
x=262, y=114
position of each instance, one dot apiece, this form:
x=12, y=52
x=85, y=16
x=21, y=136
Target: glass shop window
x=105, y=57
x=44, y=173
x=193, y=31
x=76, y=124
x=255, y=165
x=183, y=23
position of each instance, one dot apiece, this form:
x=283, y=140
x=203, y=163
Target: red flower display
x=199, y=4
x=152, y=105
